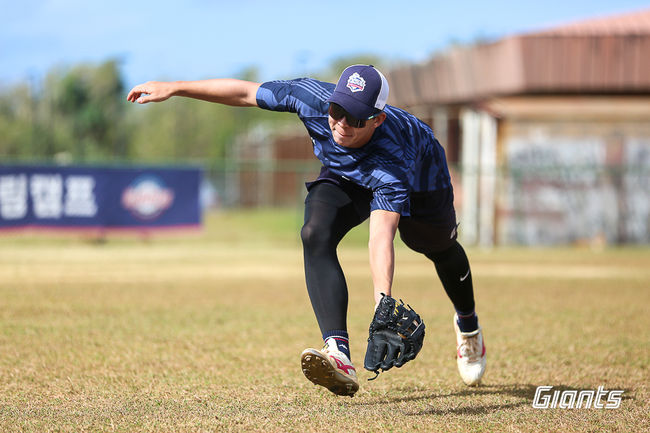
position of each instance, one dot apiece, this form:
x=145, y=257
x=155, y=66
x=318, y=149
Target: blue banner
x=70, y=197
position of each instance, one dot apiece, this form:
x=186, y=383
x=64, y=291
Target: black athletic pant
x=332, y=210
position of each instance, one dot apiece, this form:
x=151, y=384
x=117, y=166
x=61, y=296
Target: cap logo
x=356, y=83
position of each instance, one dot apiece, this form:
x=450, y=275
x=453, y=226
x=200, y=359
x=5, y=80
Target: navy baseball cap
x=362, y=91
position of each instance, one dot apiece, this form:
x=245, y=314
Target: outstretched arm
x=383, y=225
x=226, y=91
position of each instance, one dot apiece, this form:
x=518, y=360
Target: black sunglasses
x=337, y=113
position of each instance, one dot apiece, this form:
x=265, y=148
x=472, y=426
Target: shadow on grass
x=523, y=392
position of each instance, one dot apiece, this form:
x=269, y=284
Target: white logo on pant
x=453, y=231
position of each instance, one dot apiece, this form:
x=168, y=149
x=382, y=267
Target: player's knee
x=315, y=237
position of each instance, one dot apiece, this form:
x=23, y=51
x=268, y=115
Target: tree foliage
x=76, y=112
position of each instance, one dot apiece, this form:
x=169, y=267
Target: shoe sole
x=320, y=372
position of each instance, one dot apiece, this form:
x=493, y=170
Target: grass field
x=204, y=333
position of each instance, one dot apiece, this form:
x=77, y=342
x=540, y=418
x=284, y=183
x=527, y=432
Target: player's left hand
x=395, y=337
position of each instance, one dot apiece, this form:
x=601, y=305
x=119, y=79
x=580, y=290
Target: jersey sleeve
x=391, y=198
x=387, y=174
x=390, y=190
x=305, y=97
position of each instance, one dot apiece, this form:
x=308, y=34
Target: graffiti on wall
x=572, y=190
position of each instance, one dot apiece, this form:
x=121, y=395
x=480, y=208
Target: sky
x=197, y=39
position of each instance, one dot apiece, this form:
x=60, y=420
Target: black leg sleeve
x=453, y=269
x=329, y=215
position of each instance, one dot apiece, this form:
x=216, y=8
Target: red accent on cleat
x=343, y=366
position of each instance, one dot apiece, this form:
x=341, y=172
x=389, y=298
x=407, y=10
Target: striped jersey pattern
x=402, y=156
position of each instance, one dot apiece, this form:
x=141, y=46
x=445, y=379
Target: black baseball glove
x=396, y=336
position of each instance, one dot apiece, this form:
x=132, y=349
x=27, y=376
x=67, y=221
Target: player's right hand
x=151, y=91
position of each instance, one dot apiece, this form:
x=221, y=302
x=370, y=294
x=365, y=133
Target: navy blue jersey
x=401, y=157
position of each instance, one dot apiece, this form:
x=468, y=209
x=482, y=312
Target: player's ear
x=379, y=119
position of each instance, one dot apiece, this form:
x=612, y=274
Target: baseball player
x=378, y=162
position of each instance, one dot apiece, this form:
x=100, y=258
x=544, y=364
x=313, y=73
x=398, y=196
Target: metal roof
x=597, y=56
x=635, y=23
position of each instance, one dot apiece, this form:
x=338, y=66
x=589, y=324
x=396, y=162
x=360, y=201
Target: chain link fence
x=535, y=204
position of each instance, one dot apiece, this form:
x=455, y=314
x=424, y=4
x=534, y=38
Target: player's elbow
x=249, y=94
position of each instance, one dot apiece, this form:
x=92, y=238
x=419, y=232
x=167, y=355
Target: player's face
x=349, y=136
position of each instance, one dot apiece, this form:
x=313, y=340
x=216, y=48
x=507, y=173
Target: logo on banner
x=147, y=197
x=356, y=83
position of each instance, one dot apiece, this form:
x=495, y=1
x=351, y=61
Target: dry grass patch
x=203, y=335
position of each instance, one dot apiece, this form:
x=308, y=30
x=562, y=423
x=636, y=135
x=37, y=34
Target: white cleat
x=330, y=368
x=470, y=354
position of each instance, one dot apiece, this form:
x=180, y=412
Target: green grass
x=203, y=333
